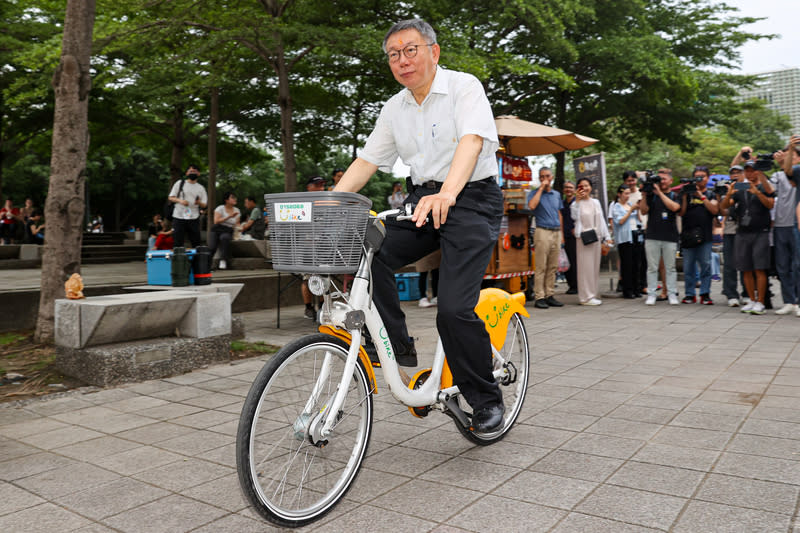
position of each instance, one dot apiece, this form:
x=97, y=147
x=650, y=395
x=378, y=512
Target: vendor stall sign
x=594, y=168
x=514, y=168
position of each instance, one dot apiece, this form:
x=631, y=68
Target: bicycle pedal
x=414, y=383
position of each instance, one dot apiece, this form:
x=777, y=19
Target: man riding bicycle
x=442, y=126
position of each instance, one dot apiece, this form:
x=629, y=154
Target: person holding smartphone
x=752, y=201
x=189, y=197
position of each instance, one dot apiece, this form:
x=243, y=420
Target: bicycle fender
x=345, y=336
x=496, y=307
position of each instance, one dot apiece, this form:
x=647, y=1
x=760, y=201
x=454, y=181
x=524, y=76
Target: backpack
x=169, y=207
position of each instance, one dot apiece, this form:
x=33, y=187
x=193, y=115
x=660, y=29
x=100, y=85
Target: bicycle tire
x=516, y=351
x=288, y=479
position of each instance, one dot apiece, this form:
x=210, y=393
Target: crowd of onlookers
x=750, y=217
x=21, y=225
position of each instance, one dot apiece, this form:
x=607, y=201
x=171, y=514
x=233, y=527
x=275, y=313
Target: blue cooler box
x=407, y=286
x=159, y=267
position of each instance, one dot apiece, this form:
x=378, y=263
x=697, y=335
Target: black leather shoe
x=488, y=419
x=572, y=291
x=552, y=302
x=406, y=355
x=541, y=303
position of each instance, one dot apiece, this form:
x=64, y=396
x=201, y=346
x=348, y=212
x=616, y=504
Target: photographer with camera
x=731, y=277
x=662, y=232
x=787, y=252
x=698, y=209
x=752, y=201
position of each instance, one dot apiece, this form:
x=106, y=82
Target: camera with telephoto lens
x=689, y=185
x=721, y=187
x=650, y=181
x=763, y=162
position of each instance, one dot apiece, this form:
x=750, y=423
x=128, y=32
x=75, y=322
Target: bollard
x=180, y=267
x=202, y=266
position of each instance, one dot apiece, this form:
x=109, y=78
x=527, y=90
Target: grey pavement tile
x=619, y=386
x=545, y=489
x=633, y=377
x=503, y=515
x=561, y=420
x=577, y=465
x=553, y=391
x=771, y=428
x=88, y=417
x=713, y=421
x=727, y=519
x=31, y=427
x=11, y=449
x=738, y=398
x=222, y=492
x=463, y=472
x=237, y=524
x=581, y=407
x=174, y=514
x=539, y=436
x=66, y=480
x=404, y=461
x=787, y=402
x=137, y=460
x=784, y=390
x=445, y=440
x=769, y=446
x=633, y=506
x=379, y=520
x=226, y=455
x=223, y=384
x=58, y=405
x=657, y=478
x=93, y=449
x=111, y=498
x=759, y=467
x=449, y=529
x=575, y=522
x=15, y=499
x=214, y=400
x=440, y=504
x=718, y=408
x=674, y=392
x=94, y=528
x=678, y=456
x=195, y=442
x=572, y=381
x=693, y=437
x=629, y=429
x=749, y=493
x=108, y=395
x=510, y=454
x=183, y=474
x=153, y=433
x=204, y=419
x=741, y=387
x=170, y=411
x=44, y=518
x=60, y=437
x=640, y=413
x=136, y=403
x=148, y=388
x=660, y=402
x=191, y=378
x=776, y=413
x=610, y=397
x=372, y=483
x=604, y=445
x=178, y=393
x=29, y=465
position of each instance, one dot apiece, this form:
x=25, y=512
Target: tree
x=65, y=201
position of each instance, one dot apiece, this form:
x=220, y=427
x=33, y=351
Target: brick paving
x=638, y=419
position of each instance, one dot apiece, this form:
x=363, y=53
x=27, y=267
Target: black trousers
x=640, y=266
x=629, y=261
x=186, y=228
x=221, y=239
x=466, y=241
x=572, y=273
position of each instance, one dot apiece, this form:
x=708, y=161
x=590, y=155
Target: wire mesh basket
x=317, y=232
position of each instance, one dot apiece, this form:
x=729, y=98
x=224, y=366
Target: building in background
x=780, y=90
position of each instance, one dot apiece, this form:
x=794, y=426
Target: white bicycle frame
x=429, y=393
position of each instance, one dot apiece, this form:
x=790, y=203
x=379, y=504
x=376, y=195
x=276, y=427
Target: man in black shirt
x=661, y=240
x=569, y=238
x=752, y=207
x=698, y=209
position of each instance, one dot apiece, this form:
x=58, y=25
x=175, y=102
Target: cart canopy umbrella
x=522, y=138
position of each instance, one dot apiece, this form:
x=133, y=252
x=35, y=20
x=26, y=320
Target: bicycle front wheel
x=287, y=473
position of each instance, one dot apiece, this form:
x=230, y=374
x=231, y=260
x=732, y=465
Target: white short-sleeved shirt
x=191, y=192
x=231, y=222
x=425, y=135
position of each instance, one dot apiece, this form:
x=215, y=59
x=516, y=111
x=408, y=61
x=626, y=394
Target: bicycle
x=307, y=419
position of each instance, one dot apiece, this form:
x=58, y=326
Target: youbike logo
x=294, y=212
x=499, y=314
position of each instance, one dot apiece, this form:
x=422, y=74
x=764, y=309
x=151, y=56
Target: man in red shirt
x=9, y=218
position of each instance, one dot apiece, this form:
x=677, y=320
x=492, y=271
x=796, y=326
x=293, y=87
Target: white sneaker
x=435, y=300
x=424, y=302
x=758, y=309
x=747, y=307
x=746, y=300
x=593, y=301
x=222, y=264
x=651, y=299
x=733, y=302
x=786, y=309
x=797, y=311
x=673, y=300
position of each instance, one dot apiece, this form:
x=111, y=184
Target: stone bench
x=249, y=255
x=106, y=340
x=9, y=251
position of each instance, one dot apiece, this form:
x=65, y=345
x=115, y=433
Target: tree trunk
x=287, y=129
x=212, y=155
x=560, y=157
x=65, y=202
x=178, y=145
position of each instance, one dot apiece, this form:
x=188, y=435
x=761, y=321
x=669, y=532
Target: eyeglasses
x=409, y=51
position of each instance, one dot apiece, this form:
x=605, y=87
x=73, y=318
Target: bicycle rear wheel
x=516, y=355
x=289, y=476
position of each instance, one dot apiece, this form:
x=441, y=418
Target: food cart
x=513, y=260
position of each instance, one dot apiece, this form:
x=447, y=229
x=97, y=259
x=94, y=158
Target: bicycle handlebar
x=404, y=213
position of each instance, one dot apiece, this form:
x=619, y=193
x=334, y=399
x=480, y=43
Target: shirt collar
x=439, y=86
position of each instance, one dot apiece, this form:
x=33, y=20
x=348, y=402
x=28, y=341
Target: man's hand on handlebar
x=437, y=205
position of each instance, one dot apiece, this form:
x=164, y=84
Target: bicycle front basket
x=317, y=232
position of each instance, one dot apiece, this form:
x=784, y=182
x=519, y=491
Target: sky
x=781, y=17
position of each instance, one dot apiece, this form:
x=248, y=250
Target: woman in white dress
x=591, y=234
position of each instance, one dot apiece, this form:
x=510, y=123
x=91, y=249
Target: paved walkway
x=683, y=418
